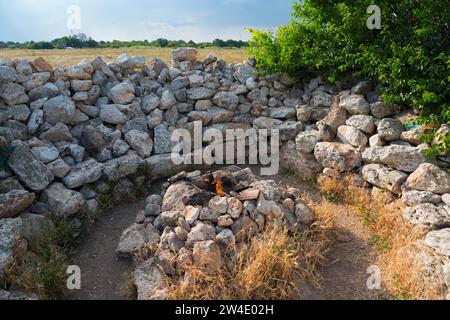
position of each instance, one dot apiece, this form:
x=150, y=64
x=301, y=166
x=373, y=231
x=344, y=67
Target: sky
x=197, y=20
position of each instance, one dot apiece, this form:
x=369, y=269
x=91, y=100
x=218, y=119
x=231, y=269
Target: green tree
x=409, y=55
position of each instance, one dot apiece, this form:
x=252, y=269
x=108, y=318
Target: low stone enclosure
x=70, y=135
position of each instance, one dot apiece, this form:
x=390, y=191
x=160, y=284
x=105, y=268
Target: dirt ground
x=344, y=273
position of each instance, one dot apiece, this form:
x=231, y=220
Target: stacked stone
x=71, y=131
x=182, y=236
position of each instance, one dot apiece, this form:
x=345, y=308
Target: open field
x=67, y=57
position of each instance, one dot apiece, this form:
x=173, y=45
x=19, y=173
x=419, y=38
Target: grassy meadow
x=68, y=57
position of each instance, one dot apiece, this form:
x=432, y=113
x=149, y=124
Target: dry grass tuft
x=271, y=266
x=395, y=239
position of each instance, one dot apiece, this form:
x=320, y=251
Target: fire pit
x=200, y=218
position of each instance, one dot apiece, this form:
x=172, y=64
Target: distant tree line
x=83, y=41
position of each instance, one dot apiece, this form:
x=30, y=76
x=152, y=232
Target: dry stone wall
x=67, y=132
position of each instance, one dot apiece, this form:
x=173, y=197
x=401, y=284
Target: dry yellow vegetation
x=68, y=57
x=397, y=241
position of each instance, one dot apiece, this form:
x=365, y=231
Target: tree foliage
x=409, y=55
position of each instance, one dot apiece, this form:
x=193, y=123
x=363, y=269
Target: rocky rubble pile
x=67, y=133
x=183, y=235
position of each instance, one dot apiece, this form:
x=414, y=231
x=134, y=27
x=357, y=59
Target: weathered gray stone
x=338, y=156
x=60, y=109
x=390, y=129
x=184, y=54
x=14, y=203
x=439, y=241
x=140, y=142
x=13, y=93
x=398, y=157
x=83, y=173
x=122, y=167
x=64, y=202
x=48, y=90
x=362, y=123
x=429, y=177
x=306, y=141
x=355, y=104
x=10, y=233
x=163, y=142
x=429, y=215
x=226, y=100
x=414, y=197
x=380, y=110
x=352, y=136
x=45, y=154
x=31, y=171
x=207, y=254
x=384, y=177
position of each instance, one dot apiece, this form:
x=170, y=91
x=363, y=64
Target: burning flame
x=219, y=187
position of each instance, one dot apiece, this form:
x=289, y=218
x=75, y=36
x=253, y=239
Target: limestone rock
x=15, y=202
x=140, y=142
x=439, y=240
x=390, y=129
x=31, y=171
x=429, y=177
x=207, y=254
x=338, y=156
x=384, y=177
x=414, y=197
x=398, y=157
x=352, y=136
x=429, y=215
x=83, y=173
x=355, y=104
x=64, y=202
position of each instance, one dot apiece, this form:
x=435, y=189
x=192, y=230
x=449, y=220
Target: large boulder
x=341, y=157
x=404, y=158
x=14, y=203
x=59, y=109
x=429, y=177
x=64, y=202
x=439, y=241
x=384, y=177
x=32, y=173
x=83, y=173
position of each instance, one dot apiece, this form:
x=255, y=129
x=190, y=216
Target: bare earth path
x=344, y=274
x=102, y=274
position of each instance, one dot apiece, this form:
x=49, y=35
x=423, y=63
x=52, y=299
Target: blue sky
x=198, y=20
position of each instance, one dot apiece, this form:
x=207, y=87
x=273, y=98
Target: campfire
x=230, y=181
